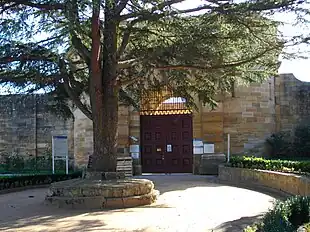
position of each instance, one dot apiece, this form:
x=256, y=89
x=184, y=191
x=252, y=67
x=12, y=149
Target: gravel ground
x=187, y=203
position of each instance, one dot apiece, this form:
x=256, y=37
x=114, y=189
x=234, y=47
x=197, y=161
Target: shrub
x=286, y=144
x=286, y=216
x=13, y=162
x=302, y=140
x=16, y=163
x=280, y=144
x=298, y=210
x=7, y=182
x=302, y=166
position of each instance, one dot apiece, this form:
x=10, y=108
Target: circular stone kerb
x=100, y=194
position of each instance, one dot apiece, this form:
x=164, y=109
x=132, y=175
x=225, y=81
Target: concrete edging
x=283, y=183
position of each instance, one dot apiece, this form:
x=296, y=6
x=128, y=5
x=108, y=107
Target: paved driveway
x=187, y=203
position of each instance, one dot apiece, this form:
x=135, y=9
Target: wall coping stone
x=289, y=183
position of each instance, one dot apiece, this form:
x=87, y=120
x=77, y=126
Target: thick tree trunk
x=104, y=92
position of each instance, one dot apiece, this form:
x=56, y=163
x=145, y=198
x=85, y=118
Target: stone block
x=247, y=114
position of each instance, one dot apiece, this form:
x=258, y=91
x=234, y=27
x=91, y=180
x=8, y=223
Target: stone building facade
x=250, y=115
x=26, y=127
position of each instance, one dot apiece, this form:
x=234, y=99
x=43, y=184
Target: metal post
x=228, y=148
x=53, y=156
x=67, y=164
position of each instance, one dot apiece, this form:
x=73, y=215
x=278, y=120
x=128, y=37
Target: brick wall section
x=26, y=127
x=292, y=101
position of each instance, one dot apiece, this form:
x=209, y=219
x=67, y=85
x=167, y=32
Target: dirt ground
x=187, y=203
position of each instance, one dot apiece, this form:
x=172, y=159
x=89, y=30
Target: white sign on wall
x=135, y=155
x=134, y=148
x=60, y=150
x=197, y=143
x=197, y=147
x=208, y=148
x=198, y=150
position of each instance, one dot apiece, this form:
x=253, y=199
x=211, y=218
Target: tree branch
x=76, y=41
x=125, y=41
x=213, y=67
x=41, y=6
x=126, y=64
x=120, y=7
x=148, y=12
x=76, y=100
x=29, y=57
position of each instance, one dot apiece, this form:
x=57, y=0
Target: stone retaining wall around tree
x=285, y=182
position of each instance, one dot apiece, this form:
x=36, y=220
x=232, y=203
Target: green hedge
x=302, y=166
x=8, y=182
x=286, y=216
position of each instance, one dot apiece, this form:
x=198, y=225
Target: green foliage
x=280, y=143
x=7, y=182
x=16, y=163
x=286, y=144
x=200, y=54
x=302, y=140
x=270, y=164
x=307, y=227
x=285, y=216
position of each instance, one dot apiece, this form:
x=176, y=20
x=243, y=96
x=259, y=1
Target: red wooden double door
x=166, y=143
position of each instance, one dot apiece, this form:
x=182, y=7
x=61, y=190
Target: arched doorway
x=166, y=135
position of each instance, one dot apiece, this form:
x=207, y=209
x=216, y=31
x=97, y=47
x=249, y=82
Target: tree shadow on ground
x=168, y=183
x=237, y=225
x=29, y=216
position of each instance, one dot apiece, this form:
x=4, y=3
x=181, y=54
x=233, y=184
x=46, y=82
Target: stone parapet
x=283, y=182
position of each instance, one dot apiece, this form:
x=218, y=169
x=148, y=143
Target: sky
x=299, y=67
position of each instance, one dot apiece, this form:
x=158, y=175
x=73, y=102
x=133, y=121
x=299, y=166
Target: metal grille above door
x=162, y=102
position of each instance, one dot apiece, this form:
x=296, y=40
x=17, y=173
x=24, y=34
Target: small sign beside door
x=208, y=148
x=169, y=148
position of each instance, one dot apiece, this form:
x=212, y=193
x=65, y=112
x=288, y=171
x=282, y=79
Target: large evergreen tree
x=115, y=50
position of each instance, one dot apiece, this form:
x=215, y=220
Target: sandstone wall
x=208, y=126
x=249, y=116
x=252, y=114
x=83, y=135
x=26, y=127
x=292, y=98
